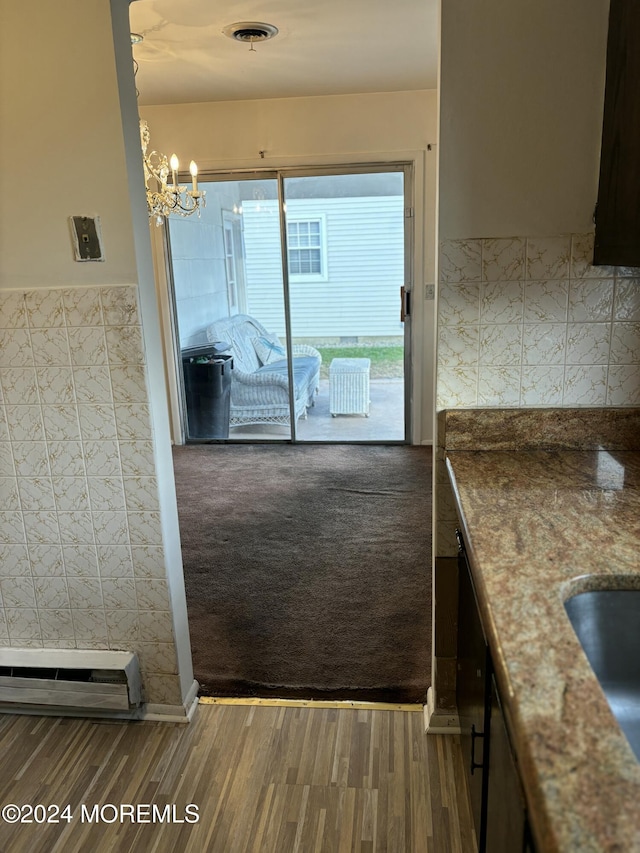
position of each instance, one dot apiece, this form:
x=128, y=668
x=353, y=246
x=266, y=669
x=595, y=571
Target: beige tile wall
x=524, y=322
x=527, y=321
x=81, y=556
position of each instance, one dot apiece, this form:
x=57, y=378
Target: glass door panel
x=345, y=244
x=228, y=292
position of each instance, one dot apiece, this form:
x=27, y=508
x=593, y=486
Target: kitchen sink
x=607, y=623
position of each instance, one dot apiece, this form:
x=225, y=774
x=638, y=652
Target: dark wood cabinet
x=471, y=690
x=506, y=807
x=495, y=791
x=617, y=239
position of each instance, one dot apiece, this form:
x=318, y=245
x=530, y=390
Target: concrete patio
x=385, y=421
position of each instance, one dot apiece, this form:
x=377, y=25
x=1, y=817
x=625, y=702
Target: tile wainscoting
x=527, y=321
x=81, y=555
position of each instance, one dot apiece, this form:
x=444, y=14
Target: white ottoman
x=349, y=386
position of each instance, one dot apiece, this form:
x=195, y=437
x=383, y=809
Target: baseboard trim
x=310, y=703
x=439, y=722
x=172, y=713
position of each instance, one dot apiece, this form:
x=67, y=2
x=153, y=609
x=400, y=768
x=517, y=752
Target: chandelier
x=164, y=198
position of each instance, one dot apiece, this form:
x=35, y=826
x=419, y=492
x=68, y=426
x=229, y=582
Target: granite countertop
x=540, y=526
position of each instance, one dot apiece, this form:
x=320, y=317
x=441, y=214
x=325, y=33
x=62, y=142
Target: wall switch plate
x=429, y=291
x=86, y=237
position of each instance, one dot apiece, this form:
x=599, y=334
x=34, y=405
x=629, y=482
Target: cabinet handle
x=474, y=763
x=460, y=541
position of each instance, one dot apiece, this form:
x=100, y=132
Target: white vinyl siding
x=364, y=267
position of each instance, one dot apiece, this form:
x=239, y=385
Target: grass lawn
x=387, y=362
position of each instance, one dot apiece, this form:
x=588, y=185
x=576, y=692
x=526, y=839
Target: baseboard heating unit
x=69, y=679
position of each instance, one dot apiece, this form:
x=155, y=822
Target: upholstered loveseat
x=259, y=379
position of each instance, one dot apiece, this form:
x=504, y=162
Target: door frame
x=236, y=289
x=413, y=168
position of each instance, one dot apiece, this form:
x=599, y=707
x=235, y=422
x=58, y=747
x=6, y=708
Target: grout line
x=612, y=320
x=566, y=345
x=481, y=289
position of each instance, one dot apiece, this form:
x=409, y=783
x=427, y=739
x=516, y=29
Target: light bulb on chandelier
x=164, y=198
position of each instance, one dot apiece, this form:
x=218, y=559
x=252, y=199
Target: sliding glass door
x=296, y=278
x=345, y=238
x=230, y=305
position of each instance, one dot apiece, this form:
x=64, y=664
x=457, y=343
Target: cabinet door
x=471, y=692
x=617, y=217
x=506, y=814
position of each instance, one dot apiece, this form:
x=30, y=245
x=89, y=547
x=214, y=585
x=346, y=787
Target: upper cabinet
x=617, y=239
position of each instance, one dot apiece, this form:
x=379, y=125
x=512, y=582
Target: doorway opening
x=296, y=277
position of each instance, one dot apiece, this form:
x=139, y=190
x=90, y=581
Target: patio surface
x=385, y=421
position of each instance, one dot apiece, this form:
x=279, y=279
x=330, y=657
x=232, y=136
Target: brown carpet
x=308, y=569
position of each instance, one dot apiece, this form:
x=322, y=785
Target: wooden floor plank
x=265, y=779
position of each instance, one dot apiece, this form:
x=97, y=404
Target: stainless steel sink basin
x=607, y=623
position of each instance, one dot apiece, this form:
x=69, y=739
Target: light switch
x=85, y=232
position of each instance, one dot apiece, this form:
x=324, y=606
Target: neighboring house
x=207, y=261
x=345, y=255
x=346, y=265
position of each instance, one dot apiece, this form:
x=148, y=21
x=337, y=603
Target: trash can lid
x=205, y=350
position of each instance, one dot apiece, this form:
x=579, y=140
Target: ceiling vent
x=251, y=32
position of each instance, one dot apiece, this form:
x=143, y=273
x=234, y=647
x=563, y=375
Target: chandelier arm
x=166, y=198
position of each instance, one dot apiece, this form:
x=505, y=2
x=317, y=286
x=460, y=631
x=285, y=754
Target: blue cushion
x=305, y=368
x=268, y=348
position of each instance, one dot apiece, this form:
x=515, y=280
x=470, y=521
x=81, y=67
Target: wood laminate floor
x=264, y=779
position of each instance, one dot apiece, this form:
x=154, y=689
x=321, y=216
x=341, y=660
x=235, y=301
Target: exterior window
x=305, y=243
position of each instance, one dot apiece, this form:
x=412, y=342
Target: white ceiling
x=323, y=47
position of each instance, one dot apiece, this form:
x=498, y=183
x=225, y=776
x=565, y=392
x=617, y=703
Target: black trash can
x=207, y=384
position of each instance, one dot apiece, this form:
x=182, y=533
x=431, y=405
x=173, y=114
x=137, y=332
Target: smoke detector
x=250, y=32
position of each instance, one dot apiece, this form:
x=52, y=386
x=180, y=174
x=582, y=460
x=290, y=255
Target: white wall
x=290, y=131
x=325, y=130
x=61, y=143
x=521, y=93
